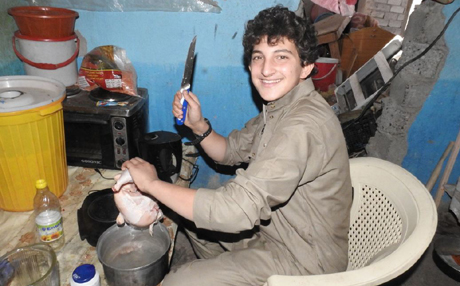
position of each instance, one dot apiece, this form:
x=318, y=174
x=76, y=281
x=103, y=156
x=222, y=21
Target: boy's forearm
x=215, y=146
x=177, y=198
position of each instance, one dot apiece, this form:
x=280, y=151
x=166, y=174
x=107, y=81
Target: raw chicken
x=135, y=208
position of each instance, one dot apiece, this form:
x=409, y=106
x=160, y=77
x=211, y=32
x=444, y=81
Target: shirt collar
x=300, y=90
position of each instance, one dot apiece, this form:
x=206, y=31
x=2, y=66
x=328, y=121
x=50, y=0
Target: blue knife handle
x=184, y=105
x=184, y=113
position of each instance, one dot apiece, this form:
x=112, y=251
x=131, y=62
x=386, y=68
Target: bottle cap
x=41, y=184
x=85, y=275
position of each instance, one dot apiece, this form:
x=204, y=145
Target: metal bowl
x=131, y=256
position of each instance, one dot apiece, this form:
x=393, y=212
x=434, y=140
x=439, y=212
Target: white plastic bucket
x=50, y=58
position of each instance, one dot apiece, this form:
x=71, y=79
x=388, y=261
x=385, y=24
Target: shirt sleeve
x=240, y=142
x=269, y=181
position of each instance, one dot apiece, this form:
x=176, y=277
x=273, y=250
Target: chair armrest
x=377, y=273
x=349, y=278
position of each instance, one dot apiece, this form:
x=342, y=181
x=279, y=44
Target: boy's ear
x=306, y=70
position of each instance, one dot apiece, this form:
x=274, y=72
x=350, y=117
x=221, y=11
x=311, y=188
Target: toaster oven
x=102, y=129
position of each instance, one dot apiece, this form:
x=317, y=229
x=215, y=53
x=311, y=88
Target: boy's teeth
x=271, y=81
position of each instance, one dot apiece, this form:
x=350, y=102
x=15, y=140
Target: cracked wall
x=413, y=84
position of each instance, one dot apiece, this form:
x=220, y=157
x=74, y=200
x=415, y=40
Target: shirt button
x=265, y=144
x=271, y=116
x=253, y=154
x=273, y=106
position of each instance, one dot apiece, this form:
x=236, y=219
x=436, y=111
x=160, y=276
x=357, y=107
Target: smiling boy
x=288, y=212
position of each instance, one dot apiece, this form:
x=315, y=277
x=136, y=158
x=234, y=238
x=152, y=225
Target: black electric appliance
x=97, y=213
x=163, y=149
x=102, y=128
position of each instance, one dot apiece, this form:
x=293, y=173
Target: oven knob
x=118, y=125
x=120, y=141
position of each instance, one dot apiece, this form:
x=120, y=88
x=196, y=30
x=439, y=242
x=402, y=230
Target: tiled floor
x=429, y=270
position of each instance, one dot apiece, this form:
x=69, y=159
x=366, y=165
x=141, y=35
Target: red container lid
x=42, y=12
x=44, y=22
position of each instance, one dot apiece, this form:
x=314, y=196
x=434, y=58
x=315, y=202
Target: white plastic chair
x=393, y=220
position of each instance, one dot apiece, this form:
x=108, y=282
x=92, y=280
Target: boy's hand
x=142, y=172
x=194, y=118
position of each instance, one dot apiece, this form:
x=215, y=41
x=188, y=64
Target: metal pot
x=131, y=256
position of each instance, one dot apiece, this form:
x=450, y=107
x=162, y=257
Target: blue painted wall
x=157, y=44
x=9, y=63
x=438, y=122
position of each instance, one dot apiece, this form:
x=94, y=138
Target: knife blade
x=185, y=85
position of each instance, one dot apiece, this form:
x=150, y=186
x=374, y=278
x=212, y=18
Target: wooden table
x=18, y=229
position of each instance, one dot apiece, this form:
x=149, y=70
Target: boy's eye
x=282, y=57
x=254, y=58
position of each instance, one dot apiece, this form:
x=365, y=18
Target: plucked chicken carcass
x=135, y=208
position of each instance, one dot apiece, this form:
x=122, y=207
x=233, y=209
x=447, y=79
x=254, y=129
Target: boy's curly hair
x=278, y=22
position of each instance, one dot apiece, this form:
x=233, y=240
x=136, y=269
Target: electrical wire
x=195, y=169
x=100, y=173
x=192, y=177
x=388, y=83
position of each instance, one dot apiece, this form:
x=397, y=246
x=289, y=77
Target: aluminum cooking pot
x=131, y=256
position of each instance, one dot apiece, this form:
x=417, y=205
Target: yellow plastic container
x=32, y=141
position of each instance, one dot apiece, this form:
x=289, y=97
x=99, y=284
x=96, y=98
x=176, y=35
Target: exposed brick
x=395, y=24
x=373, y=7
x=397, y=9
x=395, y=2
x=383, y=22
x=383, y=7
x=391, y=16
x=378, y=14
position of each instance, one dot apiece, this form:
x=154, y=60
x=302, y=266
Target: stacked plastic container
x=46, y=42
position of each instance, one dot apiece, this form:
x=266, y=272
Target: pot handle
x=46, y=66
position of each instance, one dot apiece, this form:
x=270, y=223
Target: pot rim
x=160, y=258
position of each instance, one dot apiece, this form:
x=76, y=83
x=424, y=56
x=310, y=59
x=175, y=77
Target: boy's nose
x=267, y=69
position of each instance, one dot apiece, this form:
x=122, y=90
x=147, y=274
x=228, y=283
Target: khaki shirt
x=295, y=195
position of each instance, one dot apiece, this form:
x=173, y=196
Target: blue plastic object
x=84, y=273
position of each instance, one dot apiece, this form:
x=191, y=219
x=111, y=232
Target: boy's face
x=275, y=70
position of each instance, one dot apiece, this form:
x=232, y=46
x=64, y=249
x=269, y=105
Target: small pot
x=131, y=256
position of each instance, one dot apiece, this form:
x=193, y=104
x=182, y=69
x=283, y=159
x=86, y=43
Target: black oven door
x=89, y=140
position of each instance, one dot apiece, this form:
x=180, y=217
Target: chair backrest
x=386, y=209
x=392, y=222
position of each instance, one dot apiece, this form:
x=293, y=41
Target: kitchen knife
x=185, y=85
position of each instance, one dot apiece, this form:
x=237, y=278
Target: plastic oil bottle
x=48, y=219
